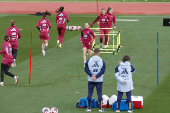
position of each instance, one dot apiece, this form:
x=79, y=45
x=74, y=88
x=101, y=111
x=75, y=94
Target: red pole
x=97, y=7
x=30, y=59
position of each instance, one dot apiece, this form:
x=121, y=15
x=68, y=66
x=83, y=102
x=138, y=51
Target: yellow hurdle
x=110, y=48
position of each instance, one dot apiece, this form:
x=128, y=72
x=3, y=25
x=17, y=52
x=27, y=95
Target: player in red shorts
x=86, y=39
x=14, y=34
x=44, y=26
x=112, y=20
x=103, y=19
x=7, y=60
x=61, y=25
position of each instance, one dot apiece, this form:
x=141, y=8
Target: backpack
x=82, y=103
x=123, y=105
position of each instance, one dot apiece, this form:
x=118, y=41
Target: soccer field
x=58, y=79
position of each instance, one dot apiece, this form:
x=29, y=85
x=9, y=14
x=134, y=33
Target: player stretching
x=112, y=19
x=14, y=34
x=103, y=19
x=86, y=39
x=7, y=60
x=123, y=74
x=44, y=26
x=61, y=25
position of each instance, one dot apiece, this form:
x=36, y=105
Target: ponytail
x=109, y=9
x=12, y=22
x=60, y=10
x=47, y=13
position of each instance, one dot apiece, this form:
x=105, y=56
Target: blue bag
x=82, y=103
x=123, y=105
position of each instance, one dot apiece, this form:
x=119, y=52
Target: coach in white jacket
x=123, y=74
x=95, y=68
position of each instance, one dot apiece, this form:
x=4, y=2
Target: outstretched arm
x=95, y=21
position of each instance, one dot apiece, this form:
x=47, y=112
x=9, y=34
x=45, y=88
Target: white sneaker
x=130, y=111
x=43, y=53
x=101, y=110
x=1, y=84
x=117, y=111
x=16, y=79
x=88, y=110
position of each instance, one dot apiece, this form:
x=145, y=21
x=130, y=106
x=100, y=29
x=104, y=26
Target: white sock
x=2, y=82
x=107, y=43
x=14, y=60
x=60, y=44
x=46, y=45
x=58, y=41
x=100, y=43
x=43, y=51
x=84, y=62
x=15, y=76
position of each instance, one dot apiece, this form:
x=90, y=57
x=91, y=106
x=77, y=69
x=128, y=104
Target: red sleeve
x=67, y=18
x=114, y=20
x=50, y=25
x=3, y=49
x=95, y=20
x=81, y=37
x=19, y=34
x=38, y=26
x=92, y=33
x=56, y=18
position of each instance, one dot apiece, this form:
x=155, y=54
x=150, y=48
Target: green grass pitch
x=60, y=74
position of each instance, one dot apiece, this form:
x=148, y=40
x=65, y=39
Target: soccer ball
x=54, y=110
x=74, y=28
x=78, y=27
x=46, y=110
x=67, y=27
x=70, y=28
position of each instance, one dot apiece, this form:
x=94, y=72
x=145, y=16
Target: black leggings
x=4, y=69
x=14, y=53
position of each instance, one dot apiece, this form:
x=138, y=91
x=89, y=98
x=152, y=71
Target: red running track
x=85, y=8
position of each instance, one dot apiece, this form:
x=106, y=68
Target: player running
x=14, y=34
x=44, y=26
x=103, y=19
x=112, y=20
x=61, y=25
x=86, y=39
x=7, y=60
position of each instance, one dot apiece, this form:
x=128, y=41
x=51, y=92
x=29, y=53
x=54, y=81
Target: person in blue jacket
x=123, y=74
x=95, y=68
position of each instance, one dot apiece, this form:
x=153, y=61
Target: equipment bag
x=124, y=106
x=82, y=103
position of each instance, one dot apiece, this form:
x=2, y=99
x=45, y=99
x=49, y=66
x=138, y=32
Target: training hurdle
x=115, y=48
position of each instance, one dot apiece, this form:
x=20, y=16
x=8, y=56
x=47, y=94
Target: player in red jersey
x=103, y=19
x=44, y=26
x=113, y=20
x=7, y=60
x=61, y=25
x=86, y=39
x=14, y=34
